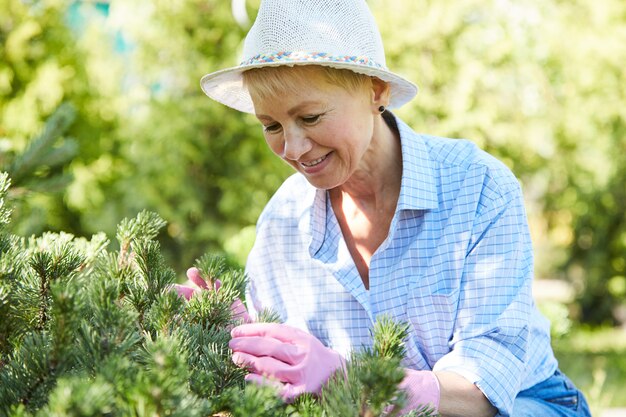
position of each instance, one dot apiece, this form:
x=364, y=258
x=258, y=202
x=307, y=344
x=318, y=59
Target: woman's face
x=321, y=130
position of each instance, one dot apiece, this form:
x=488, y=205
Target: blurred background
x=102, y=116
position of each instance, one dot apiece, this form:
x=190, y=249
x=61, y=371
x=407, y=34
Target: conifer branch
x=39, y=168
x=211, y=267
x=5, y=212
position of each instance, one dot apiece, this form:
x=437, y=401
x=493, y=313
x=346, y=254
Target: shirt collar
x=418, y=190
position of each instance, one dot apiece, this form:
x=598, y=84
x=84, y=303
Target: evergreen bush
x=86, y=331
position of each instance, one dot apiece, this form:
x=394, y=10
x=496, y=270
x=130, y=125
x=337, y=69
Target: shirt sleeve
x=490, y=337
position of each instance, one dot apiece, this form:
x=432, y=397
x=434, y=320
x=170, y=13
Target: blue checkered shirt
x=457, y=266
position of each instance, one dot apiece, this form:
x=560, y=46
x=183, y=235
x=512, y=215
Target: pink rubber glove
x=422, y=388
x=238, y=309
x=298, y=361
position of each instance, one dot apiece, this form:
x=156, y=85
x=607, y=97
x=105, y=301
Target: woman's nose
x=296, y=144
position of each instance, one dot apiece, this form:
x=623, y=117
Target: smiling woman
x=380, y=220
x=305, y=125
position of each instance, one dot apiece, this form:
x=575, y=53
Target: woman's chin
x=322, y=183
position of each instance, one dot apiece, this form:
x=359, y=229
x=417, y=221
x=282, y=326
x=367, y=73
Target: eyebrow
x=292, y=110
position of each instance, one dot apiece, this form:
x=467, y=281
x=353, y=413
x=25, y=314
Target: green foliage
x=85, y=332
x=359, y=392
x=34, y=169
x=45, y=68
x=74, y=329
x=594, y=358
x=147, y=136
x=41, y=167
x=145, y=226
x=5, y=212
x=254, y=401
x=558, y=315
x=597, y=260
x=539, y=84
x=389, y=338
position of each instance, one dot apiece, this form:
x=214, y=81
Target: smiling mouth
x=315, y=162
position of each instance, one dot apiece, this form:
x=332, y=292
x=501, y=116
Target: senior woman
x=381, y=220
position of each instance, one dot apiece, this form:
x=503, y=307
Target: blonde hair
x=271, y=81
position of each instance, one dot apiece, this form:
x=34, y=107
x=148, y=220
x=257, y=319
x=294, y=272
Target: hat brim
x=226, y=86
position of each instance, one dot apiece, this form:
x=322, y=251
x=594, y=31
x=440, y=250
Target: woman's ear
x=381, y=93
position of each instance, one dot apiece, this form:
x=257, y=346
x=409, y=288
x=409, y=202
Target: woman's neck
x=375, y=186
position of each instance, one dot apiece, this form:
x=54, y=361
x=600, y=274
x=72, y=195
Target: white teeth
x=313, y=163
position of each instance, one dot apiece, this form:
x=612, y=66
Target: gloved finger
x=184, y=291
x=194, y=276
x=290, y=392
x=239, y=311
x=266, y=346
x=217, y=284
x=287, y=391
x=267, y=366
x=262, y=380
x=279, y=331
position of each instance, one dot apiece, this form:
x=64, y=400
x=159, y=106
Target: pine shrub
x=90, y=331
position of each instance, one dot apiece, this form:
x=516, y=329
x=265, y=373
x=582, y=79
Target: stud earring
x=381, y=109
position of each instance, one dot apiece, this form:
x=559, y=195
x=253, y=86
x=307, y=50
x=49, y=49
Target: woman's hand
x=278, y=353
x=422, y=388
x=187, y=291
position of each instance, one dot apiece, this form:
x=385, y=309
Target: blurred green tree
x=42, y=65
x=537, y=83
x=147, y=136
x=202, y=166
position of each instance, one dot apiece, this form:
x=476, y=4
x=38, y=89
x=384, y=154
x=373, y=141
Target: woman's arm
x=446, y=392
x=461, y=398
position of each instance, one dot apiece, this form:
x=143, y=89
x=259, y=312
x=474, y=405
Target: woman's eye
x=311, y=119
x=272, y=128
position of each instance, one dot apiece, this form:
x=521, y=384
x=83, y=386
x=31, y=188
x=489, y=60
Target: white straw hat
x=334, y=33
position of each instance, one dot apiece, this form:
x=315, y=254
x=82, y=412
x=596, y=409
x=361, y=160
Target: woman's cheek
x=276, y=145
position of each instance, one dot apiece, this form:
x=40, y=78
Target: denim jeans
x=555, y=397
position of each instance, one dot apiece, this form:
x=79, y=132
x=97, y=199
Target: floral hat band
x=301, y=57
